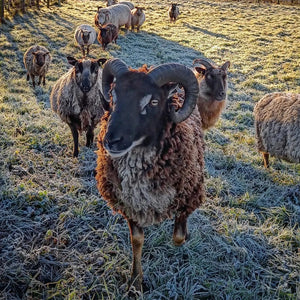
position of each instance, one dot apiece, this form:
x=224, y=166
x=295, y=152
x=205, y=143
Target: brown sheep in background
x=173, y=12
x=150, y=163
x=108, y=33
x=37, y=60
x=277, y=125
x=213, y=84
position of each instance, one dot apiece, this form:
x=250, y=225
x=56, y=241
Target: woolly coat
x=118, y=14
x=209, y=109
x=277, y=124
x=78, y=38
x=68, y=101
x=151, y=184
x=31, y=67
x=137, y=20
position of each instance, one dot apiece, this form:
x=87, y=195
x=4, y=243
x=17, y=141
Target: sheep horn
x=112, y=68
x=203, y=62
x=181, y=74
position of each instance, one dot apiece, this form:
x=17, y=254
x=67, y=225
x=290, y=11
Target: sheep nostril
x=110, y=142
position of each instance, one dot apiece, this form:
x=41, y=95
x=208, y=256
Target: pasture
x=59, y=240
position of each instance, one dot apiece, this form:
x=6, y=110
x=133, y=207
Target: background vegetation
x=58, y=240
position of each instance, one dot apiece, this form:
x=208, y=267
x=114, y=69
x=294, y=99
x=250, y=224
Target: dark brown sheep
x=150, y=163
x=108, y=33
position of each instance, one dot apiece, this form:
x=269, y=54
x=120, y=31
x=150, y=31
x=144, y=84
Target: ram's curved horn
x=166, y=73
x=112, y=68
x=203, y=62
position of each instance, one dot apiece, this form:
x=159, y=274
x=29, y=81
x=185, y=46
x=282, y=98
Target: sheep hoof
x=178, y=240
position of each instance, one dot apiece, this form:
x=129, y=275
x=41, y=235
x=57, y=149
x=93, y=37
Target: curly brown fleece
x=277, y=123
x=150, y=184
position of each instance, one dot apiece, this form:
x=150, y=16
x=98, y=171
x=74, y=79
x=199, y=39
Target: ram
x=76, y=98
x=85, y=35
x=213, y=85
x=37, y=60
x=150, y=164
x=277, y=125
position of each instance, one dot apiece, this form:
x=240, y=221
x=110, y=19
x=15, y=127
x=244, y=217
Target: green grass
x=58, y=239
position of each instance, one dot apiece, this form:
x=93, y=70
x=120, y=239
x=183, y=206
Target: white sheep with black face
x=76, y=98
x=277, y=125
x=85, y=35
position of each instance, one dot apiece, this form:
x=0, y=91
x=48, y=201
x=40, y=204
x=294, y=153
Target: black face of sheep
x=215, y=78
x=85, y=35
x=139, y=108
x=86, y=72
x=39, y=57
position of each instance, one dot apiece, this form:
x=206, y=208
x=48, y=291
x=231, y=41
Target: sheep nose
x=222, y=94
x=110, y=142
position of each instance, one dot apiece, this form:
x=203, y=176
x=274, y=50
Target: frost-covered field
x=58, y=240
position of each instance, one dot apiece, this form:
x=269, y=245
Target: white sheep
x=76, y=98
x=85, y=35
x=137, y=18
x=277, y=124
x=118, y=15
x=37, y=60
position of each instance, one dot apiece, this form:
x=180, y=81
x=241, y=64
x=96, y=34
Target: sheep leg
x=44, y=80
x=75, y=138
x=40, y=79
x=137, y=241
x=82, y=49
x=28, y=77
x=32, y=79
x=180, y=229
x=87, y=49
x=266, y=159
x=89, y=136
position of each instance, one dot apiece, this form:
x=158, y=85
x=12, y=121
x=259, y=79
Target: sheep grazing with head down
x=173, y=12
x=213, y=84
x=150, y=163
x=277, y=124
x=76, y=98
x=37, y=60
x=137, y=18
x=85, y=35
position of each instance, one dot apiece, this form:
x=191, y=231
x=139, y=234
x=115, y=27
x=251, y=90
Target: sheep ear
x=46, y=53
x=200, y=70
x=226, y=65
x=101, y=61
x=99, y=8
x=71, y=60
x=33, y=53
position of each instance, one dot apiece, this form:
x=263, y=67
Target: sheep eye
x=154, y=102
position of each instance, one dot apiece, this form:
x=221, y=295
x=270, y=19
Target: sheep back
x=118, y=14
x=85, y=27
x=277, y=124
x=66, y=99
x=29, y=64
x=150, y=185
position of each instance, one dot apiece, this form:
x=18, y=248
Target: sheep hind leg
x=180, y=229
x=75, y=138
x=266, y=159
x=137, y=241
x=89, y=137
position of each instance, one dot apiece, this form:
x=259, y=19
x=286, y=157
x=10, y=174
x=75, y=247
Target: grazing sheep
x=118, y=15
x=150, y=163
x=213, y=90
x=277, y=124
x=137, y=18
x=76, y=98
x=37, y=60
x=85, y=35
x=107, y=34
x=112, y=2
x=173, y=12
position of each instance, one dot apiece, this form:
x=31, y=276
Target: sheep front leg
x=180, y=229
x=266, y=159
x=87, y=49
x=32, y=79
x=137, y=241
x=89, y=136
x=75, y=138
x=82, y=49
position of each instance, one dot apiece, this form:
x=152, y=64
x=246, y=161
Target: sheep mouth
x=116, y=153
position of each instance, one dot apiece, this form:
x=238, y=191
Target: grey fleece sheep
x=112, y=2
x=76, y=98
x=85, y=35
x=138, y=18
x=118, y=15
x=277, y=124
x=37, y=60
